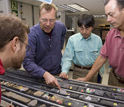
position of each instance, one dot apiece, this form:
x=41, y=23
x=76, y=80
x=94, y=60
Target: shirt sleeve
x=64, y=30
x=101, y=71
x=67, y=57
x=29, y=61
x=100, y=45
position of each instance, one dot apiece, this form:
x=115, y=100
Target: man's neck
x=122, y=33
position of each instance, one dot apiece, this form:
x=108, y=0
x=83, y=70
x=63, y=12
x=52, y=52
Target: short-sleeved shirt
x=113, y=49
x=2, y=70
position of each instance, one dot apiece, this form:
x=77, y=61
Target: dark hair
x=86, y=19
x=106, y=2
x=120, y=3
x=10, y=27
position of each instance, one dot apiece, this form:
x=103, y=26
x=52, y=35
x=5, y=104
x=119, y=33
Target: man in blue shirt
x=46, y=39
x=82, y=49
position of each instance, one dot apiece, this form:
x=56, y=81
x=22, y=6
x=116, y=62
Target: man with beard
x=13, y=42
x=46, y=39
x=82, y=49
x=113, y=49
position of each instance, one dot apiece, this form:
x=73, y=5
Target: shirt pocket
x=94, y=53
x=79, y=53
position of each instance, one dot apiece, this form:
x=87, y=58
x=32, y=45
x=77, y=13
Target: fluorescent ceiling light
x=46, y=1
x=72, y=7
x=78, y=7
x=67, y=7
x=99, y=16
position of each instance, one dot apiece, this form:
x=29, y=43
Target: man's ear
x=14, y=44
x=92, y=28
x=122, y=9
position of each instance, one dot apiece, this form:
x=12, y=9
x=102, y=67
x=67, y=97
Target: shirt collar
x=117, y=33
x=81, y=37
x=2, y=70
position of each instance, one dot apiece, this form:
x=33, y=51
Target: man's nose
x=48, y=22
x=84, y=30
x=109, y=19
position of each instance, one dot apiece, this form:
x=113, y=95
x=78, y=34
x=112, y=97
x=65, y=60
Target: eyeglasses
x=45, y=20
x=28, y=48
x=87, y=29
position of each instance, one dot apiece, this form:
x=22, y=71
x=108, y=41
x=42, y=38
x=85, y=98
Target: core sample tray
x=20, y=89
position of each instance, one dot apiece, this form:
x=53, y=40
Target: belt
x=120, y=79
x=82, y=67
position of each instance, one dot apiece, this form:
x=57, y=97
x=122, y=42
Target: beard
x=16, y=64
x=17, y=61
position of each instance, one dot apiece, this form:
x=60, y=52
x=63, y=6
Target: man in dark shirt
x=46, y=39
x=13, y=42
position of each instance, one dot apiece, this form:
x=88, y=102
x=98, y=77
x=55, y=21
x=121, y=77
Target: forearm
x=65, y=68
x=96, y=66
x=33, y=69
x=65, y=65
x=67, y=58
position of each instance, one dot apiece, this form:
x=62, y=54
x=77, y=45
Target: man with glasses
x=82, y=49
x=28, y=48
x=46, y=40
x=113, y=48
x=12, y=50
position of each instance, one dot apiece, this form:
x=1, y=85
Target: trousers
x=79, y=72
x=113, y=80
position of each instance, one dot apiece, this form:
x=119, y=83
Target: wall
x=100, y=21
x=5, y=6
x=36, y=14
x=27, y=13
x=62, y=16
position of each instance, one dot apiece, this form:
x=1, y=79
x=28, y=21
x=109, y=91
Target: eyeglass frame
x=28, y=48
x=46, y=20
x=87, y=29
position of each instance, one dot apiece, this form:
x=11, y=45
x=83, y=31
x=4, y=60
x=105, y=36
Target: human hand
x=63, y=75
x=51, y=80
x=82, y=79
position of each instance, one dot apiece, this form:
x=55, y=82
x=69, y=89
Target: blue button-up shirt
x=81, y=51
x=45, y=54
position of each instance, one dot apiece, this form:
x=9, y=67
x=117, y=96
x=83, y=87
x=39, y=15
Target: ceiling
x=96, y=7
